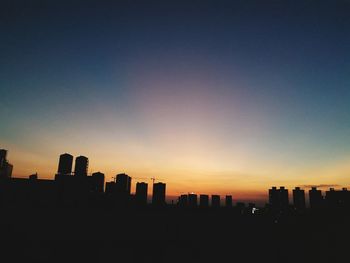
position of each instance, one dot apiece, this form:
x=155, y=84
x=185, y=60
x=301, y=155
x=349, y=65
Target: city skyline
x=219, y=97
x=121, y=183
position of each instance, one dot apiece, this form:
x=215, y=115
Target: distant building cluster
x=77, y=187
x=191, y=200
x=279, y=199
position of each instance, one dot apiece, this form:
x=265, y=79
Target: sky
x=215, y=97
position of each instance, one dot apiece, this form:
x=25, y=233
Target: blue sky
x=239, y=87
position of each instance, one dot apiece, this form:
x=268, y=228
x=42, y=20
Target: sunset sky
x=216, y=97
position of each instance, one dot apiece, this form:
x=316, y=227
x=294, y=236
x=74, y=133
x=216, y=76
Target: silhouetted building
x=189, y=200
x=123, y=184
x=97, y=182
x=299, y=199
x=284, y=198
x=158, y=197
x=183, y=201
x=29, y=191
x=192, y=200
x=337, y=199
x=65, y=164
x=5, y=167
x=278, y=198
x=110, y=188
x=3, y=154
x=6, y=170
x=141, y=193
x=81, y=166
x=228, y=201
x=315, y=198
x=274, y=197
x=215, y=201
x=204, y=201
x=119, y=191
x=33, y=176
x=129, y=185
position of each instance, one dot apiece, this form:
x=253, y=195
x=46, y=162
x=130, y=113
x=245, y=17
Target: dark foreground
x=106, y=235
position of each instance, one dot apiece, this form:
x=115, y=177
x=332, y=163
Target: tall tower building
x=316, y=198
x=192, y=200
x=204, y=201
x=123, y=184
x=215, y=201
x=65, y=164
x=3, y=154
x=299, y=198
x=158, y=197
x=141, y=193
x=98, y=182
x=183, y=200
x=278, y=198
x=5, y=167
x=228, y=201
x=81, y=166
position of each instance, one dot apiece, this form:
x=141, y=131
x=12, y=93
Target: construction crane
x=144, y=178
x=140, y=178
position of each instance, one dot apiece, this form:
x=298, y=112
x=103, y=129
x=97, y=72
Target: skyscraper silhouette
x=278, y=198
x=228, y=201
x=98, y=181
x=316, y=198
x=5, y=167
x=192, y=200
x=204, y=201
x=337, y=198
x=81, y=166
x=141, y=193
x=158, y=196
x=65, y=164
x=215, y=201
x=299, y=198
x=123, y=184
x=3, y=154
x=183, y=200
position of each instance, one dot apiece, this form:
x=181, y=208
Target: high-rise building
x=183, y=200
x=158, y=197
x=228, y=201
x=274, y=197
x=110, y=188
x=98, y=182
x=141, y=193
x=278, y=198
x=284, y=198
x=129, y=185
x=65, y=164
x=299, y=198
x=215, y=201
x=123, y=184
x=315, y=198
x=192, y=200
x=8, y=170
x=204, y=201
x=5, y=167
x=81, y=166
x=3, y=154
x=337, y=198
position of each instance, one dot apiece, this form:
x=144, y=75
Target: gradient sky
x=227, y=97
